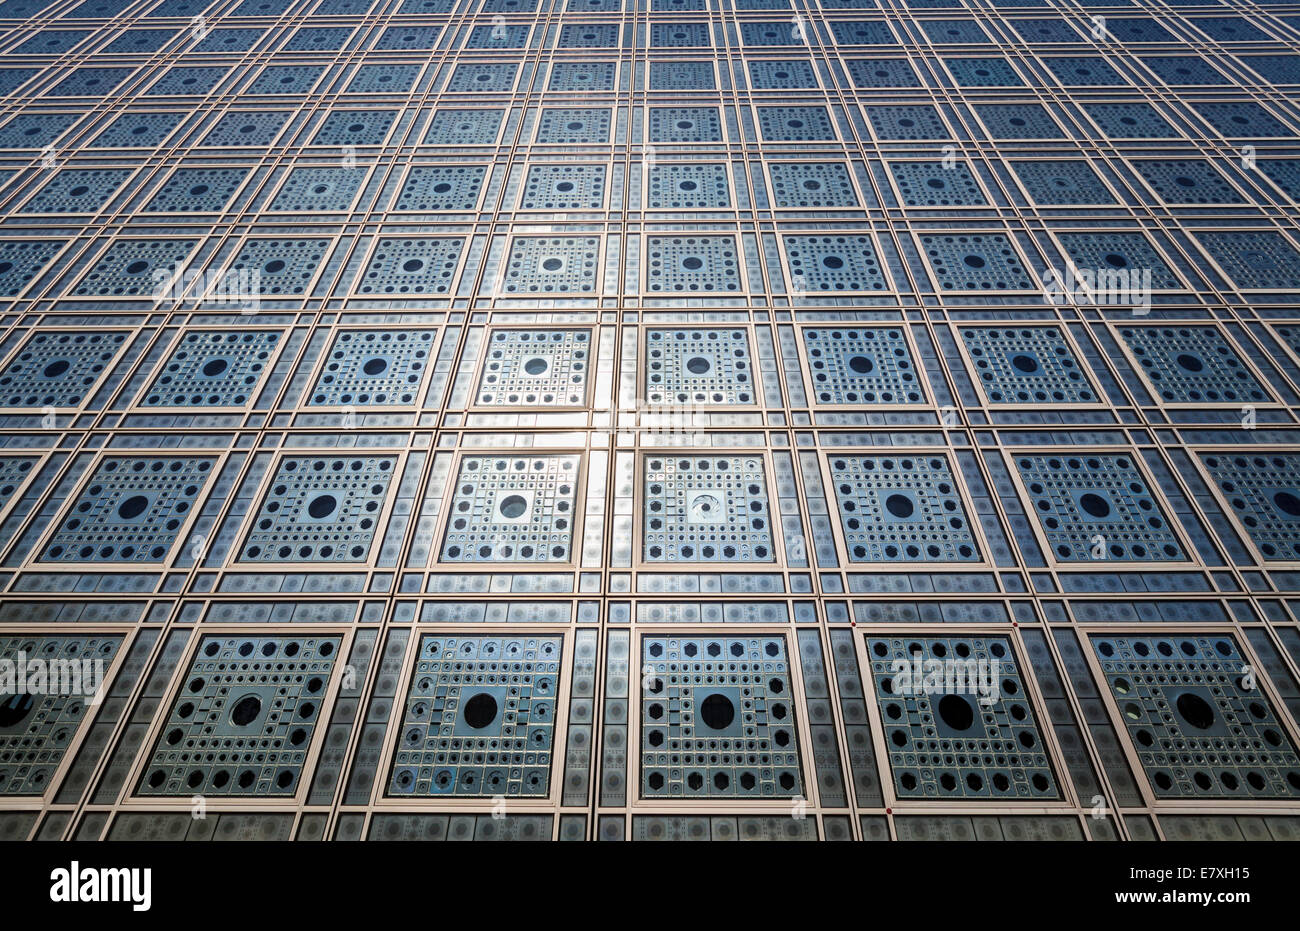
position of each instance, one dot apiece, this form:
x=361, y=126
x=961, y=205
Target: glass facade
x=650, y=419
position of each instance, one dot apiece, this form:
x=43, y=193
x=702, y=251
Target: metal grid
x=1111, y=131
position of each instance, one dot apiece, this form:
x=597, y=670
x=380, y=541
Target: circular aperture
x=717, y=712
x=480, y=711
x=513, y=507
x=956, y=712
x=1195, y=710
x=246, y=711
x=322, y=506
x=132, y=507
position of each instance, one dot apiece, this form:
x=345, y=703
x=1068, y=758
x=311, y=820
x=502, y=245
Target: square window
x=89, y=82
x=77, y=190
x=542, y=265
x=1018, y=121
x=960, y=744
x=907, y=122
x=583, y=76
x=1284, y=172
x=679, y=35
x=1137, y=29
x=58, y=368
x=354, y=127
x=137, y=130
x=954, y=31
x=573, y=125
x=682, y=76
x=1197, y=734
x=983, y=72
x=131, y=510
x=373, y=368
x=383, y=79
x=318, y=39
x=246, y=128
x=936, y=184
x=564, y=186
x=35, y=130
x=134, y=267
x=1242, y=119
x=534, y=368
x=465, y=127
x=861, y=366
x=869, y=32
x=589, y=35
x=692, y=264
x=1182, y=70
x=213, y=368
x=281, y=267
x=1097, y=507
x=718, y=719
x=792, y=124
x=1026, y=365
x=20, y=262
x=901, y=508
x=684, y=124
x=882, y=73
x=697, y=366
x=272, y=717
x=1130, y=121
x=39, y=728
x=318, y=190
x=1062, y=182
x=457, y=704
x=324, y=508
x=54, y=42
x=682, y=186
x=782, y=75
x=419, y=265
x=1112, y=252
x=218, y=40
x=397, y=38
x=807, y=185
x=1187, y=181
x=766, y=34
x=472, y=77
x=1276, y=69
x=197, y=190
x=706, y=509
x=182, y=82
x=831, y=263
x=1045, y=31
x=508, y=509
x=498, y=36
x=1262, y=492
x=285, y=79
x=1194, y=365
x=975, y=262
x=1085, y=72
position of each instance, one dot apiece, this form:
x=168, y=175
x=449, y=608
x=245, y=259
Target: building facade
x=649, y=419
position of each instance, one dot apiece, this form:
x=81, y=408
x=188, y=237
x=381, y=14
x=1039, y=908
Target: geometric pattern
x=516, y=509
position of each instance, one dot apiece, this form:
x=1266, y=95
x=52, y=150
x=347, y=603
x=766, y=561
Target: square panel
x=368, y=368
x=134, y=267
x=588, y=35
x=399, y=38
x=795, y=124
x=132, y=510
x=1130, y=121
x=281, y=267
x=534, y=368
x=907, y=122
x=1018, y=121
x=35, y=130
x=1097, y=507
x=759, y=35
x=902, y=508
x=948, y=739
x=479, y=718
x=1192, y=364
x=285, y=79
x=811, y=185
x=706, y=509
x=1198, y=731
x=433, y=188
x=936, y=184
x=77, y=190
x=197, y=190
x=1062, y=182
x=782, y=75
x=246, y=128
x=242, y=722
x=679, y=35
x=577, y=76
x=1091, y=71
x=89, y=82
x=833, y=263
x=1184, y=70
x=416, y=265
x=498, y=36
x=954, y=32
x=59, y=368
x=1111, y=252
x=573, y=125
x=683, y=124
x=187, y=81
x=687, y=186
x=137, y=131
x=317, y=39
x=983, y=72
x=862, y=366
x=1026, y=365
x=698, y=366
x=1262, y=493
x=513, y=509
x=882, y=73
x=1187, y=181
x=213, y=368
x=551, y=265
x=383, y=79
x=975, y=262
x=718, y=719
x=21, y=260
x=863, y=32
x=564, y=186
x=1243, y=119
x=482, y=77
x=1254, y=260
x=36, y=730
x=682, y=76
x=355, y=127
x=692, y=264
x=319, y=509
x=318, y=190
